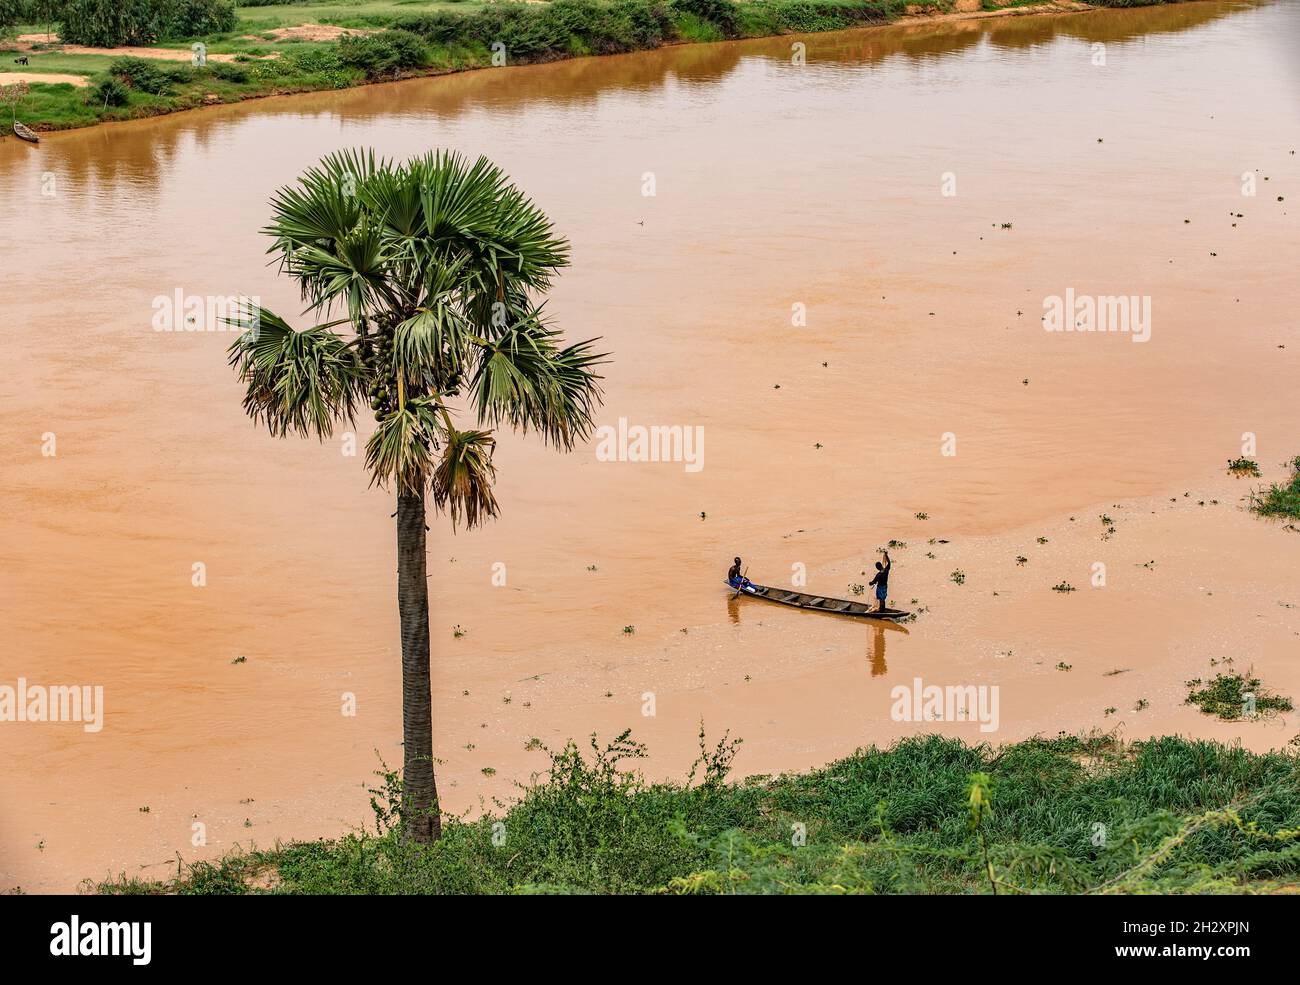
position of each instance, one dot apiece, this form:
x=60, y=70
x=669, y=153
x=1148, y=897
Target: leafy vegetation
x=10, y=12
x=1281, y=499
x=382, y=55
x=927, y=815
x=1235, y=696
x=197, y=18
x=109, y=23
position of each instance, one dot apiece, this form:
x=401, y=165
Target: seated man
x=734, y=578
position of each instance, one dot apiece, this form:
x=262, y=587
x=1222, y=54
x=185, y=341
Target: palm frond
x=462, y=481
x=524, y=379
x=433, y=342
x=301, y=382
x=401, y=449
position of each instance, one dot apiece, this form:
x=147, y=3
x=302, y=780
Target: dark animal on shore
x=21, y=61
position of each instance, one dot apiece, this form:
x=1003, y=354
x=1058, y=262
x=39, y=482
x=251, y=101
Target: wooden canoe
x=21, y=130
x=819, y=603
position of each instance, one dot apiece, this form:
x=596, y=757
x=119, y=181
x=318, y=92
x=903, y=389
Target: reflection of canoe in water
x=819, y=603
x=21, y=130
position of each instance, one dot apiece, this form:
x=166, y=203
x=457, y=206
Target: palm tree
x=435, y=267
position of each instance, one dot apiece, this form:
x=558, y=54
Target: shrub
x=723, y=13
x=229, y=72
x=109, y=92
x=386, y=53
x=142, y=74
x=538, y=32
x=437, y=28
x=310, y=60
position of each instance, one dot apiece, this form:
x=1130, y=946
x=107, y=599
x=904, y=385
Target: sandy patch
x=309, y=32
x=51, y=78
x=25, y=42
x=973, y=10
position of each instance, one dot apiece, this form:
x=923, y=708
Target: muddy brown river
x=840, y=280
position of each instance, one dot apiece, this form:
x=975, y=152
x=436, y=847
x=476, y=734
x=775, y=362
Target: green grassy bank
x=413, y=39
x=928, y=815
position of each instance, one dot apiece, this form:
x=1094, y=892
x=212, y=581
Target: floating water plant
x=1282, y=499
x=1233, y=697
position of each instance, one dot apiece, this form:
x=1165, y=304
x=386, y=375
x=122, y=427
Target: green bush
x=763, y=17
x=383, y=54
x=144, y=74
x=310, y=60
x=540, y=32
x=109, y=92
x=723, y=13
x=229, y=72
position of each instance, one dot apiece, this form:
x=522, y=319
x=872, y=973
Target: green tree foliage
x=10, y=12
x=197, y=18
x=109, y=23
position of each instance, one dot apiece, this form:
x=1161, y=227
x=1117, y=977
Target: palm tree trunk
x=419, y=792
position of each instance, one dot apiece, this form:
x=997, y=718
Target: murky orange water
x=775, y=185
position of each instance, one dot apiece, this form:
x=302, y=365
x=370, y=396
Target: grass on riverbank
x=1069, y=815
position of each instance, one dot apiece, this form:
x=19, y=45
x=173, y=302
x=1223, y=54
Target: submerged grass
x=927, y=815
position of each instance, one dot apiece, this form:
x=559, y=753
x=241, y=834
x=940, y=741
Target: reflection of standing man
x=881, y=581
x=878, y=667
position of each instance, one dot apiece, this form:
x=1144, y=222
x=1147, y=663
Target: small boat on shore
x=818, y=603
x=25, y=133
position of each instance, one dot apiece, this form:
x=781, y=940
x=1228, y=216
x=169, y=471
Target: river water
x=839, y=277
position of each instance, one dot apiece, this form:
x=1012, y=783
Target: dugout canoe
x=818, y=603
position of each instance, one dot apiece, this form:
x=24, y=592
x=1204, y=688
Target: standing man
x=881, y=581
